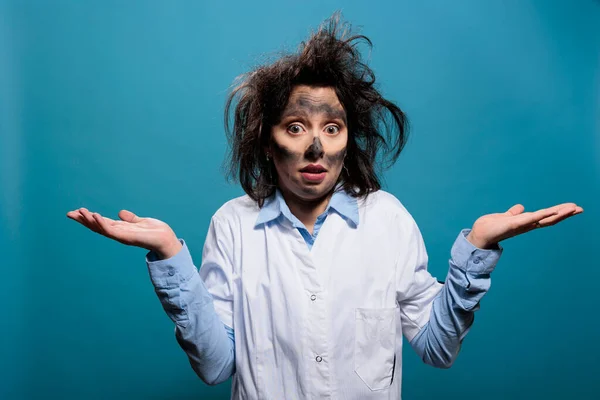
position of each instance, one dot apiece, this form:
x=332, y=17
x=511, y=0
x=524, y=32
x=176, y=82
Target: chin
x=316, y=191
x=308, y=191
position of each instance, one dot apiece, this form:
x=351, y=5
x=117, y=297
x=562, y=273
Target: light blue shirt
x=210, y=345
x=275, y=207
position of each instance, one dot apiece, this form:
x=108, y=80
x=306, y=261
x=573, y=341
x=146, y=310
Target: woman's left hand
x=490, y=229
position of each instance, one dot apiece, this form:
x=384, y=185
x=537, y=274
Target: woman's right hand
x=148, y=233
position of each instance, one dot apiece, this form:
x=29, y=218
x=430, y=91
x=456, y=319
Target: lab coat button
x=313, y=297
x=319, y=358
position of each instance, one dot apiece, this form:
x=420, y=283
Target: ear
x=267, y=151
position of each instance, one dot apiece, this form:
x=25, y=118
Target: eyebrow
x=304, y=108
x=299, y=112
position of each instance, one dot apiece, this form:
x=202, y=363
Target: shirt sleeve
x=436, y=334
x=208, y=343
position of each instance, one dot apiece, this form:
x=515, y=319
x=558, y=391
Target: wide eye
x=294, y=129
x=332, y=129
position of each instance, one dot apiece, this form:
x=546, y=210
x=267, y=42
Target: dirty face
x=308, y=144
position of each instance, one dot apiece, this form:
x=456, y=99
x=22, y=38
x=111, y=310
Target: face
x=308, y=145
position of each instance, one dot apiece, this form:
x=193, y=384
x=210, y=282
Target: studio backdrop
x=114, y=105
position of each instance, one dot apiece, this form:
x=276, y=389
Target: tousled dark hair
x=377, y=128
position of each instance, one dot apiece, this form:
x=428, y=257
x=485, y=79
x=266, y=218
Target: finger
x=522, y=221
x=109, y=221
x=89, y=219
x=563, y=206
x=74, y=215
x=78, y=216
x=103, y=225
x=539, y=215
x=515, y=210
x=529, y=218
x=577, y=210
x=562, y=215
x=87, y=215
x=129, y=216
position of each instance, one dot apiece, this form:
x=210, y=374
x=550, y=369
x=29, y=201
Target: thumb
x=515, y=210
x=129, y=216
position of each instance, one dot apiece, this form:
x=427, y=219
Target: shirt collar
x=345, y=205
x=341, y=202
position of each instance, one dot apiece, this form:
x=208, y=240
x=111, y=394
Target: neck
x=306, y=211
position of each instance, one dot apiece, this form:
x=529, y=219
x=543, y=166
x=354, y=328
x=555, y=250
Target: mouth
x=313, y=169
x=313, y=173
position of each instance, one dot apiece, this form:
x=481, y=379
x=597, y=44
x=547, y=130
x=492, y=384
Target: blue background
x=116, y=105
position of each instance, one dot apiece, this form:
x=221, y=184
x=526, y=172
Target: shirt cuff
x=172, y=271
x=472, y=259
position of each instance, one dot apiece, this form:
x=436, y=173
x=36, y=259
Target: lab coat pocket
x=375, y=346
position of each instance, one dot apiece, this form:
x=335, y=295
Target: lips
x=313, y=169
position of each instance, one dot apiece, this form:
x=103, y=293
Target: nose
x=315, y=150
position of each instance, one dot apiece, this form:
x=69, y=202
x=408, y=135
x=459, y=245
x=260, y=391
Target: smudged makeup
x=315, y=150
x=288, y=155
x=309, y=142
x=305, y=106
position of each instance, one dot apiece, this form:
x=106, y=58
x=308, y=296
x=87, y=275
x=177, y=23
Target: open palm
x=493, y=228
x=148, y=233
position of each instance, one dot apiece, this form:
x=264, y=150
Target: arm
x=436, y=317
x=452, y=312
x=186, y=299
x=208, y=343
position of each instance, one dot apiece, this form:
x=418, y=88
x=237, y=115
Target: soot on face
x=315, y=150
x=312, y=153
x=304, y=105
x=336, y=158
x=284, y=153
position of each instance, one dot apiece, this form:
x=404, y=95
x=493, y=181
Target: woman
x=310, y=280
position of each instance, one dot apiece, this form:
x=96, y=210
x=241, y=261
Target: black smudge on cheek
x=283, y=152
x=335, y=158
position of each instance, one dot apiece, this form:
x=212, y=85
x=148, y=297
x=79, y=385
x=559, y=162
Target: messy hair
x=377, y=128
